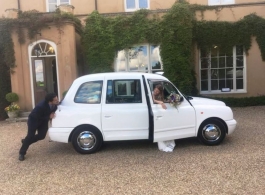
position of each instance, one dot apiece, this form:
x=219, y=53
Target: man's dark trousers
x=32, y=137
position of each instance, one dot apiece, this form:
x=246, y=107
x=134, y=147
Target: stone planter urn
x=66, y=8
x=12, y=114
x=11, y=13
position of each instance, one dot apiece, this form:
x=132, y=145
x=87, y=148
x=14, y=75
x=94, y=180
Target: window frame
x=57, y=4
x=234, y=90
x=136, y=6
x=210, y=3
x=150, y=68
x=101, y=89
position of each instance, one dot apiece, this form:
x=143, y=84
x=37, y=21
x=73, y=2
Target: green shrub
x=12, y=97
x=242, y=102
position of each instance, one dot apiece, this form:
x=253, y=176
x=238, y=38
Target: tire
x=212, y=132
x=87, y=139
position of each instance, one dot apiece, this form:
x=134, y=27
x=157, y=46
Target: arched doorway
x=44, y=76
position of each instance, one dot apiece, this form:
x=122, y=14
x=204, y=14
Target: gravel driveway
x=237, y=166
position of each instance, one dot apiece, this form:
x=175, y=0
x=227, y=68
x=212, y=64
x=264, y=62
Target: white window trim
x=221, y=2
x=58, y=3
x=233, y=91
x=136, y=6
x=150, y=70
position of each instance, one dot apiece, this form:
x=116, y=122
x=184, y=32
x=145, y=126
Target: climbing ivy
x=228, y=34
x=7, y=62
x=176, y=46
x=35, y=21
x=7, y=57
x=100, y=53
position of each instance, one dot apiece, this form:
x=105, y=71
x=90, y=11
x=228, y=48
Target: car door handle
x=107, y=116
x=158, y=117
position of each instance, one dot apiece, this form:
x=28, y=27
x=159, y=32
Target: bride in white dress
x=158, y=97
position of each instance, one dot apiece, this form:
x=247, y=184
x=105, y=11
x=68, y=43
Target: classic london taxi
x=119, y=106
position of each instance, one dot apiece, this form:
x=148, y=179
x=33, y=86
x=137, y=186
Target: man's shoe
x=22, y=141
x=21, y=157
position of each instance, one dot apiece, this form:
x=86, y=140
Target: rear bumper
x=231, y=125
x=59, y=134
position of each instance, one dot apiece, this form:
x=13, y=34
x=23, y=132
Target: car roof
x=101, y=76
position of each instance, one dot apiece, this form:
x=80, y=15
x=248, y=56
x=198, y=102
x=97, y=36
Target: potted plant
x=13, y=109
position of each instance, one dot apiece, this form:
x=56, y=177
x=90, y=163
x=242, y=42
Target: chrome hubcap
x=86, y=140
x=211, y=132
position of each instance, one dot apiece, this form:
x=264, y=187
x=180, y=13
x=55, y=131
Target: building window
x=52, y=4
x=133, y=5
x=221, y=2
x=223, y=71
x=141, y=58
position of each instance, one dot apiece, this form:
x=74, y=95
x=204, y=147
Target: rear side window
x=123, y=91
x=89, y=93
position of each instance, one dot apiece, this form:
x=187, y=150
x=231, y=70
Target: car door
x=173, y=122
x=124, y=110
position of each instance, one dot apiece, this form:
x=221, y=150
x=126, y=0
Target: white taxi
x=119, y=106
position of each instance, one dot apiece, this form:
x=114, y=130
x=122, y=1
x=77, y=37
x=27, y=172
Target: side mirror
x=181, y=99
x=189, y=98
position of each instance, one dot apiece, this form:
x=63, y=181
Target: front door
x=172, y=123
x=44, y=71
x=39, y=79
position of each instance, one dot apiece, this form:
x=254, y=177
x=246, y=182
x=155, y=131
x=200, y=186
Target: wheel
x=87, y=139
x=212, y=132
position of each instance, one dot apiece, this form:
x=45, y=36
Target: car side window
x=123, y=91
x=89, y=93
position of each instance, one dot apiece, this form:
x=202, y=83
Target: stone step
x=22, y=117
x=24, y=114
x=18, y=119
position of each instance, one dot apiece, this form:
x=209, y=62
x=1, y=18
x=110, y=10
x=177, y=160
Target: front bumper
x=231, y=126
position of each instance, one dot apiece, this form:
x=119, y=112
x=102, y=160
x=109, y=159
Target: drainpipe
x=96, y=5
x=21, y=57
x=18, y=4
